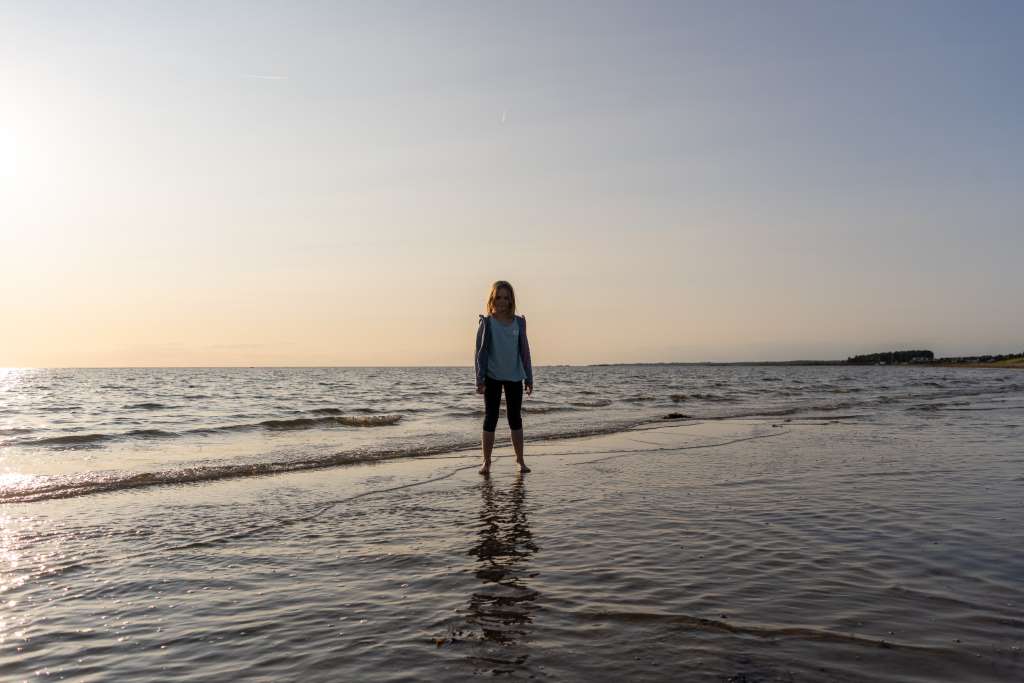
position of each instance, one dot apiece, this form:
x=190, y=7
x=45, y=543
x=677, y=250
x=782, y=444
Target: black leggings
x=513, y=403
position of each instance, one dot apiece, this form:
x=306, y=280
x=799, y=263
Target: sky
x=330, y=183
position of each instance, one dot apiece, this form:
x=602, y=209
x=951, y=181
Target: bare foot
x=523, y=469
x=485, y=471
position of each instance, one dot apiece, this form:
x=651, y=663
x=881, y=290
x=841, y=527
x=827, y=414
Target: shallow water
x=73, y=432
x=741, y=550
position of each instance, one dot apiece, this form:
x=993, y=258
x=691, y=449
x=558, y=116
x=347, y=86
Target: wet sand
x=740, y=550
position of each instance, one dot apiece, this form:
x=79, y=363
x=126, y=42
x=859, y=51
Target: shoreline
x=701, y=550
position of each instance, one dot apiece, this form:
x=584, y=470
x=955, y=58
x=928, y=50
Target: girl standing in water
x=502, y=362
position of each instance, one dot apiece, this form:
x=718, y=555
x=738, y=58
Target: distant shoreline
x=1015, y=365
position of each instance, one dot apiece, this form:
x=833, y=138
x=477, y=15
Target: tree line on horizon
x=925, y=356
x=891, y=357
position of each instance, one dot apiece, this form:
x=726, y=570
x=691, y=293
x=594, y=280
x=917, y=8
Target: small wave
x=146, y=406
x=14, y=431
x=195, y=397
x=95, y=440
x=150, y=434
x=591, y=404
x=782, y=412
x=59, y=409
x=927, y=407
x=830, y=407
x=71, y=440
x=331, y=421
x=986, y=409
x=714, y=397
x=542, y=410
x=469, y=412
x=326, y=411
x=43, y=487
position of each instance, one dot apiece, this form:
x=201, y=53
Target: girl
x=502, y=362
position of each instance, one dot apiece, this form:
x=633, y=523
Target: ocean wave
x=600, y=403
x=468, y=412
x=679, y=398
x=753, y=412
x=48, y=487
x=300, y=423
x=543, y=410
x=69, y=441
x=85, y=483
x=13, y=431
x=330, y=421
x=94, y=440
x=150, y=434
x=927, y=407
x=828, y=407
x=146, y=406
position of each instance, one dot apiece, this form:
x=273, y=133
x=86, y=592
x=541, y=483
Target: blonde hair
x=500, y=284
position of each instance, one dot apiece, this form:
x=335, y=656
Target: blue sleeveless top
x=503, y=360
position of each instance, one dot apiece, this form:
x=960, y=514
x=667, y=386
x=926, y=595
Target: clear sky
x=328, y=183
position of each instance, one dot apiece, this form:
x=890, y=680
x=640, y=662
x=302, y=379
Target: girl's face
x=502, y=301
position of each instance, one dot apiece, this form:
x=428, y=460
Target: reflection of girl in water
x=502, y=363
x=502, y=604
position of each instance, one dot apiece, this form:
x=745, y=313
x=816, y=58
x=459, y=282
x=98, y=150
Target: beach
x=267, y=273
x=778, y=549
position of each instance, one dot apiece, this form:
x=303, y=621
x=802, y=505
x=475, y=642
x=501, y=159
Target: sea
x=69, y=432
x=682, y=522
